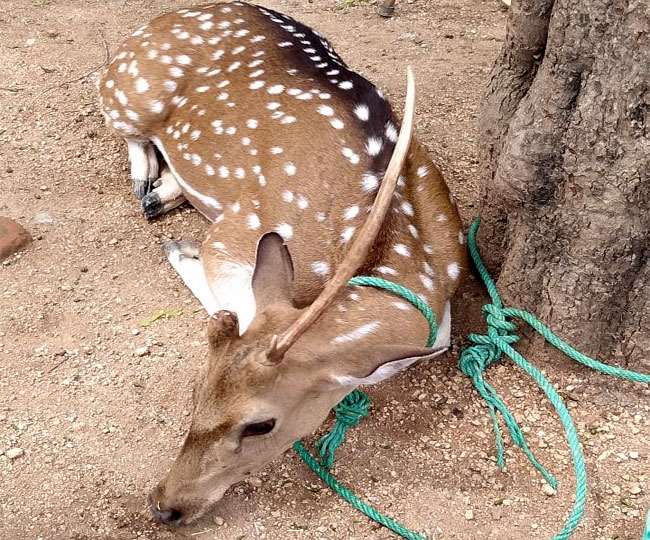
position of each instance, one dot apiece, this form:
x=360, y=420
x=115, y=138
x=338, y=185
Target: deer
x=307, y=179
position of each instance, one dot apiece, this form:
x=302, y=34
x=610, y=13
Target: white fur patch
x=191, y=272
x=357, y=333
x=231, y=285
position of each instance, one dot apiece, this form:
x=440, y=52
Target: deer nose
x=166, y=515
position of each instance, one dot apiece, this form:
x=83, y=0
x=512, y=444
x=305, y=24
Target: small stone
x=14, y=453
x=142, y=351
x=218, y=521
x=13, y=237
x=635, y=489
x=255, y=481
x=469, y=515
x=548, y=490
x=43, y=218
x=634, y=455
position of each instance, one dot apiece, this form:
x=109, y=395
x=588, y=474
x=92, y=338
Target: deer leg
x=144, y=166
x=166, y=196
x=184, y=258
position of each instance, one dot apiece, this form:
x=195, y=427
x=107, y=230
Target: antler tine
x=358, y=252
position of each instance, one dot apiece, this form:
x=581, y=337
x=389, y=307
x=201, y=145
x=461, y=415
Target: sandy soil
x=98, y=424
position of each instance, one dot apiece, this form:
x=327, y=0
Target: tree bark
x=565, y=148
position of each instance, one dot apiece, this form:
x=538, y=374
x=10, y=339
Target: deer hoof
x=141, y=188
x=152, y=205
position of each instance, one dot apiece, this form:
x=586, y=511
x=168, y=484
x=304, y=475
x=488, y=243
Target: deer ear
x=222, y=325
x=273, y=274
x=383, y=362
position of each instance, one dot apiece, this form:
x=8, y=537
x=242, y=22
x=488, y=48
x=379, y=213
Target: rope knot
x=349, y=412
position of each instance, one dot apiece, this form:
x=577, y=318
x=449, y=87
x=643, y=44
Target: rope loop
x=485, y=350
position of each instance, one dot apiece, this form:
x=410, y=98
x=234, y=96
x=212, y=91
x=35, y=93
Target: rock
x=469, y=515
x=12, y=237
x=548, y=490
x=255, y=481
x=218, y=521
x=14, y=453
x=43, y=218
x=142, y=351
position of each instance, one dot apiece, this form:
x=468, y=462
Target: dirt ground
x=98, y=423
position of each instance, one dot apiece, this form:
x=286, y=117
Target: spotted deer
x=297, y=162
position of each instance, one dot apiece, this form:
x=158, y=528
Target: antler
x=358, y=252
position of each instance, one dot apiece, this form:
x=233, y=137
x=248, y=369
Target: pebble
x=548, y=490
x=142, y=351
x=255, y=481
x=14, y=453
x=469, y=515
x=43, y=218
x=218, y=521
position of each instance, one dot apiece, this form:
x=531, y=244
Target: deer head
x=261, y=391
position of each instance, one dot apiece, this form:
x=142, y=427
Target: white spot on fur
x=347, y=234
x=351, y=212
x=453, y=270
x=302, y=202
x=253, y=221
x=156, y=107
x=285, y=231
x=362, y=112
x=387, y=270
x=369, y=182
x=141, y=85
x=391, y=132
x=275, y=89
x=407, y=208
x=326, y=110
x=357, y=333
x=320, y=268
x=351, y=155
x=374, y=146
x=426, y=281
x=402, y=249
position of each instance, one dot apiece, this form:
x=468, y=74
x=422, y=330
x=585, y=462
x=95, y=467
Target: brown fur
x=420, y=244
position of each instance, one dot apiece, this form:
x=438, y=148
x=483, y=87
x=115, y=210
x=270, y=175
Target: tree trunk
x=566, y=202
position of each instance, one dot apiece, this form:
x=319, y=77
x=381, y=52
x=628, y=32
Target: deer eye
x=258, y=428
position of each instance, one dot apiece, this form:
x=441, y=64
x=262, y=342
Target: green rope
x=349, y=413
x=352, y=409
x=474, y=360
